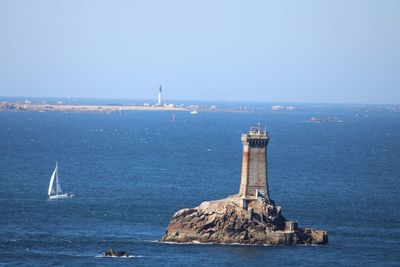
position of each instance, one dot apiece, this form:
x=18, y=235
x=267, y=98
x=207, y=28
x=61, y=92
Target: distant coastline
x=21, y=106
x=53, y=105
x=86, y=108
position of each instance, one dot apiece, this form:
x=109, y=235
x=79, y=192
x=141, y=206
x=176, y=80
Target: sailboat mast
x=57, y=186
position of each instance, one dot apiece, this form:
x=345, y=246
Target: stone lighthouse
x=254, y=178
x=159, y=102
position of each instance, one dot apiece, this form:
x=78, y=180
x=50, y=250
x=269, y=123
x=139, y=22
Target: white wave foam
x=211, y=243
x=123, y=257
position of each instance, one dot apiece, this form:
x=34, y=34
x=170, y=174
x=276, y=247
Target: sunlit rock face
x=225, y=221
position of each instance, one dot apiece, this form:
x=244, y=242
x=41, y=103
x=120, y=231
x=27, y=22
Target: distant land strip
x=108, y=108
x=90, y=108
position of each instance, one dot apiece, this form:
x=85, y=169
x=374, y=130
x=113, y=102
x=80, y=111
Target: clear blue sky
x=345, y=51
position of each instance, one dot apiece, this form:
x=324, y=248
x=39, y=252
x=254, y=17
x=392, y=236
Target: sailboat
x=173, y=118
x=56, y=193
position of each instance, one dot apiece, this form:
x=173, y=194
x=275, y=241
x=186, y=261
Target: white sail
x=52, y=181
x=58, y=186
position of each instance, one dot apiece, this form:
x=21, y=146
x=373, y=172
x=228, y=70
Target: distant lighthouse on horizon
x=159, y=102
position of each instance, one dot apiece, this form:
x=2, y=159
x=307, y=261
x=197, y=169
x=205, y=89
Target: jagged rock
x=111, y=253
x=224, y=221
x=122, y=254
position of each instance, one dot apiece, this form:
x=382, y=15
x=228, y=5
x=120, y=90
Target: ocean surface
x=132, y=171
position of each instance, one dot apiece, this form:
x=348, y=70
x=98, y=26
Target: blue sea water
x=132, y=171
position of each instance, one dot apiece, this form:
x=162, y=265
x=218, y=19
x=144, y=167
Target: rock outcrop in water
x=250, y=217
x=224, y=221
x=111, y=253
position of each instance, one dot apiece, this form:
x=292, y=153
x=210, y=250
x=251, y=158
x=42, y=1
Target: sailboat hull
x=61, y=196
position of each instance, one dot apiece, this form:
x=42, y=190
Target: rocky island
x=250, y=217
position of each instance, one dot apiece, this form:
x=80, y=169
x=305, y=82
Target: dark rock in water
x=111, y=253
x=122, y=254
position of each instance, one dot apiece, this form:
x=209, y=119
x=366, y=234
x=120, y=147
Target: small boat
x=56, y=193
x=193, y=112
